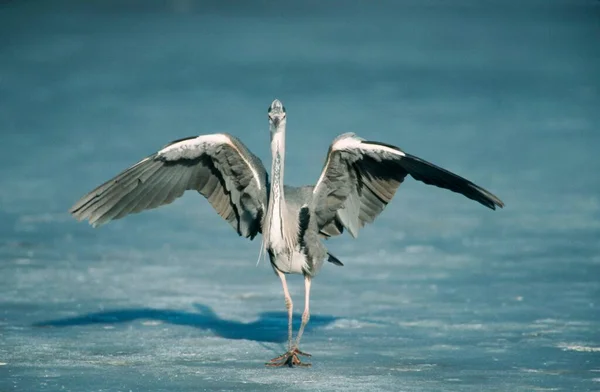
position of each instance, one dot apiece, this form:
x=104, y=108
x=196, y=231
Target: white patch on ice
x=527, y=370
x=415, y=368
x=440, y=324
x=349, y=324
x=249, y=295
x=151, y=322
x=444, y=347
x=577, y=347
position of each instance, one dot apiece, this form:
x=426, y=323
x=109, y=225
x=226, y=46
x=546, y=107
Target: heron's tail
x=332, y=259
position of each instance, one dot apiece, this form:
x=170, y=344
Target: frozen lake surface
x=440, y=294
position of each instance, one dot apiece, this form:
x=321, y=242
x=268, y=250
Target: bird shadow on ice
x=270, y=327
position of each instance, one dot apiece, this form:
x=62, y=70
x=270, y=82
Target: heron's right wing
x=361, y=177
x=219, y=166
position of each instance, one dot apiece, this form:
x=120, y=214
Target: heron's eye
x=283, y=108
x=269, y=110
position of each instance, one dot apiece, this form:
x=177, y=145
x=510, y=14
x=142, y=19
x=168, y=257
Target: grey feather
x=359, y=180
x=222, y=169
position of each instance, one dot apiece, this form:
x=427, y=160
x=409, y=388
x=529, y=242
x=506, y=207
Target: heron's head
x=276, y=115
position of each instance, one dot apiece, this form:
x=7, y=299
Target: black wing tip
x=488, y=199
x=494, y=204
x=498, y=203
x=480, y=194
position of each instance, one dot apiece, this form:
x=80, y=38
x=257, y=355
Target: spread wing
x=218, y=166
x=361, y=177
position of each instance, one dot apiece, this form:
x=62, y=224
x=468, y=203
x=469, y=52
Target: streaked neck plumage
x=277, y=165
x=276, y=233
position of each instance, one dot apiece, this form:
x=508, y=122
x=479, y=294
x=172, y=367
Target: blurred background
x=439, y=294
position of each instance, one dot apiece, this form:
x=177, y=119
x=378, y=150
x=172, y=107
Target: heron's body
x=358, y=180
x=303, y=253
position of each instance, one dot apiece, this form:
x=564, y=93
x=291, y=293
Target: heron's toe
x=289, y=359
x=296, y=351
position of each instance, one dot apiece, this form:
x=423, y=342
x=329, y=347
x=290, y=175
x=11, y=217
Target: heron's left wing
x=361, y=177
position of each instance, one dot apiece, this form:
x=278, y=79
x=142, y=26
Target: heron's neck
x=276, y=233
x=277, y=165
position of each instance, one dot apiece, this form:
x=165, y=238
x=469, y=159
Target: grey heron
x=358, y=180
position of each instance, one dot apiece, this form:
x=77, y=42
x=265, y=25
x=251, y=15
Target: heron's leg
x=289, y=305
x=290, y=358
x=305, y=314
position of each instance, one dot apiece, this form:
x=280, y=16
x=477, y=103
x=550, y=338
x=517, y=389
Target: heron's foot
x=289, y=359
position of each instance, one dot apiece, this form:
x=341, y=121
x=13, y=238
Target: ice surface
x=439, y=294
